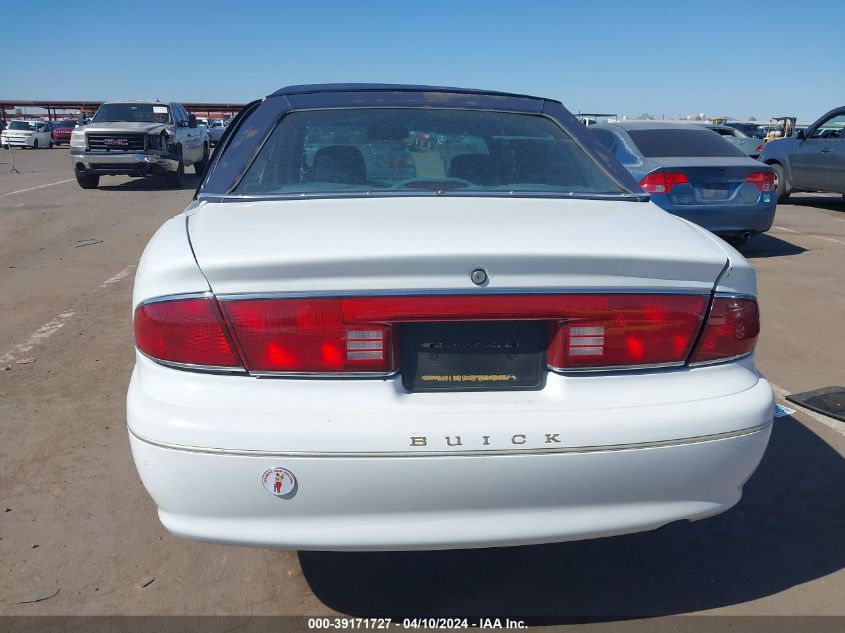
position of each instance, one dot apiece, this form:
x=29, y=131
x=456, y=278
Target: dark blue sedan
x=694, y=173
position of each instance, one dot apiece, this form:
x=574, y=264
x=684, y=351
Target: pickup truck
x=812, y=160
x=138, y=138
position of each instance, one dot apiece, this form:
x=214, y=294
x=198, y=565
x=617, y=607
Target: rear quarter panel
x=167, y=265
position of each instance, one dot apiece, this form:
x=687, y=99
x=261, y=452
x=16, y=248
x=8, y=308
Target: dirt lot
x=74, y=518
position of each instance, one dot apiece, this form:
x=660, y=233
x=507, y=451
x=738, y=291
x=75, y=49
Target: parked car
x=749, y=146
x=513, y=345
x=203, y=130
x=138, y=138
x=812, y=160
x=695, y=174
x=62, y=131
x=750, y=129
x=215, y=131
x=20, y=133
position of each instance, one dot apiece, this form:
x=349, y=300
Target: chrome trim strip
x=593, y=370
x=474, y=453
x=177, y=297
x=201, y=369
x=421, y=193
x=363, y=375
x=733, y=295
x=719, y=361
x=295, y=294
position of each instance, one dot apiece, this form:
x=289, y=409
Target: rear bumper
x=129, y=163
x=629, y=453
x=393, y=503
x=723, y=219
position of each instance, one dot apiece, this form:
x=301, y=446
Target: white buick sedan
x=406, y=317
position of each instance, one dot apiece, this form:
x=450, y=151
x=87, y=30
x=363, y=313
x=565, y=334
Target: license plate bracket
x=473, y=355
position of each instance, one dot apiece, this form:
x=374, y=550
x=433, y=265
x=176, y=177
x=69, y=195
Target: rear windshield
x=66, y=124
x=675, y=143
x=401, y=149
x=747, y=128
x=21, y=125
x=135, y=112
x=727, y=131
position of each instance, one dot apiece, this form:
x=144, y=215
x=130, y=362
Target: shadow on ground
x=766, y=245
x=829, y=202
x=788, y=529
x=150, y=183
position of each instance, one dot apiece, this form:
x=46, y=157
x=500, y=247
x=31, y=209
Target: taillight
x=662, y=181
x=625, y=330
x=732, y=329
x=308, y=335
x=355, y=335
x=764, y=180
x=760, y=148
x=187, y=331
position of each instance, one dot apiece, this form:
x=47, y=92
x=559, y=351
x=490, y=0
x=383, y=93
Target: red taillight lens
x=732, y=329
x=308, y=335
x=183, y=331
x=662, y=182
x=760, y=148
x=764, y=180
x=355, y=334
x=620, y=330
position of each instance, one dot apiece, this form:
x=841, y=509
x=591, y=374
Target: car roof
x=264, y=115
x=363, y=87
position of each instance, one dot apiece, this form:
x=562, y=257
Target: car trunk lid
x=415, y=245
x=713, y=183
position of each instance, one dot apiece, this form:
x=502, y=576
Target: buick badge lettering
x=455, y=441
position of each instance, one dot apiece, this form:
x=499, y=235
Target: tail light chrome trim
x=203, y=369
x=719, y=361
x=323, y=375
x=176, y=297
x=474, y=290
x=563, y=371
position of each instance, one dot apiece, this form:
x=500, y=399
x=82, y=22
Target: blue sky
x=669, y=58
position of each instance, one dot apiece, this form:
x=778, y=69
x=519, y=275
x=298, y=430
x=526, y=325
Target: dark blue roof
x=313, y=88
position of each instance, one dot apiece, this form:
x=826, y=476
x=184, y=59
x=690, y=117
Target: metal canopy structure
x=63, y=109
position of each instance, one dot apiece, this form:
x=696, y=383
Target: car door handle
x=827, y=150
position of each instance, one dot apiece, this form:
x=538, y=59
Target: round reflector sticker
x=279, y=482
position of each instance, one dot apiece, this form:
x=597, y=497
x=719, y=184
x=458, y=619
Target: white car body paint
x=40, y=131
x=434, y=243
x=589, y=455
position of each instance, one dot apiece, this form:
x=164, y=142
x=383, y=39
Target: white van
x=32, y=134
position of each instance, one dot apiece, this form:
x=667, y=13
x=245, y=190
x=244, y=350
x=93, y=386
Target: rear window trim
x=624, y=195
x=419, y=193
